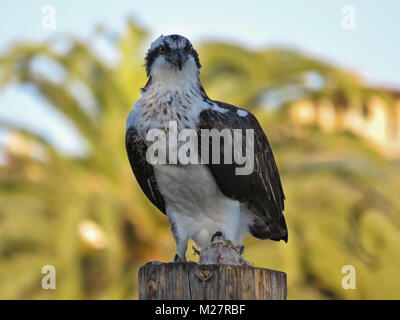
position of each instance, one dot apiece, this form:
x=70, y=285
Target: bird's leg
x=177, y=259
x=180, y=240
x=218, y=235
x=181, y=246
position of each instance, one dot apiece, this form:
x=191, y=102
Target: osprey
x=205, y=200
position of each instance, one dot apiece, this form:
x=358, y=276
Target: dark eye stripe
x=152, y=55
x=164, y=48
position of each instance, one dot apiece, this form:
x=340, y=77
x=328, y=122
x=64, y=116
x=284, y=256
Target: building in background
x=377, y=120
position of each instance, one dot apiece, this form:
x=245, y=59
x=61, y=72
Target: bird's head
x=170, y=57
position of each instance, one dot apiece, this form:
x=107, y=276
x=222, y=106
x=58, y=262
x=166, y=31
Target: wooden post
x=190, y=281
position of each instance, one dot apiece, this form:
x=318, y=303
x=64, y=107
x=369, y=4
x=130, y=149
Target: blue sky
x=314, y=26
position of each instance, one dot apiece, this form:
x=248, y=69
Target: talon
x=216, y=235
x=178, y=259
x=196, y=251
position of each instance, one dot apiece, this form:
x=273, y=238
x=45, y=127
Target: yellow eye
x=162, y=50
x=189, y=49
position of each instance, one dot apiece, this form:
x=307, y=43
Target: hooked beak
x=176, y=58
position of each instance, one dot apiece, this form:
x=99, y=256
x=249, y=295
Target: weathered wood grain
x=190, y=281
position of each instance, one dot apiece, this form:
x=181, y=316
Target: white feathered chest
x=160, y=105
x=190, y=191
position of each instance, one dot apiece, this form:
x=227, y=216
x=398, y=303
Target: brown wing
x=143, y=171
x=261, y=191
